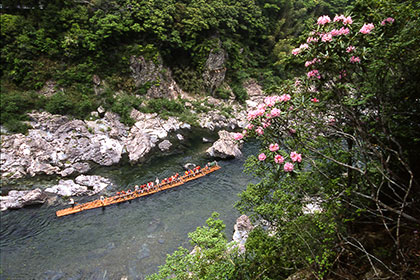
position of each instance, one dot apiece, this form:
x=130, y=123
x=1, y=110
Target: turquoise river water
x=127, y=240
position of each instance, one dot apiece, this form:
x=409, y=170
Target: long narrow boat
x=126, y=197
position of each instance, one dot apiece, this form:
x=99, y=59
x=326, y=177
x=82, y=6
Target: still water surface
x=130, y=239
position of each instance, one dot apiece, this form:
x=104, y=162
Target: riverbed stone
x=19, y=199
x=165, y=145
x=225, y=147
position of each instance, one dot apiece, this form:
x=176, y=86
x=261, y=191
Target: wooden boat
x=126, y=197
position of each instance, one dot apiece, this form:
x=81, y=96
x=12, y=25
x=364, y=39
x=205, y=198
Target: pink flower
x=288, y=167
x=347, y=20
x=266, y=124
x=304, y=46
x=339, y=18
x=314, y=73
x=296, y=51
x=311, y=39
x=310, y=62
x=344, y=31
x=355, y=59
x=350, y=49
x=259, y=130
x=366, y=28
x=262, y=157
x=275, y=112
x=297, y=83
x=285, y=97
x=250, y=126
x=323, y=20
x=279, y=159
x=390, y=20
x=238, y=136
x=274, y=147
x=326, y=37
x=295, y=157
x=335, y=32
x=314, y=100
x=292, y=131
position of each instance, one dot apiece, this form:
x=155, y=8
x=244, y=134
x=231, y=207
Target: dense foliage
x=67, y=42
x=339, y=191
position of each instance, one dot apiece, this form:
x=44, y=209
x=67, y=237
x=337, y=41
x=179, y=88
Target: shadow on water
x=128, y=239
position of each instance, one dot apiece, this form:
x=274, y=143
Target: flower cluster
x=367, y=28
x=355, y=59
x=390, y=20
x=310, y=62
x=279, y=159
x=350, y=49
x=314, y=73
x=345, y=20
x=300, y=49
x=323, y=20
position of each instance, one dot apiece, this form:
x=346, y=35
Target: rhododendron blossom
x=275, y=112
x=350, y=49
x=295, y=157
x=314, y=73
x=347, y=20
x=314, y=100
x=250, y=126
x=311, y=39
x=296, y=51
x=366, y=28
x=323, y=20
x=310, y=62
x=326, y=37
x=266, y=124
x=262, y=157
x=259, y=130
x=354, y=59
x=274, y=147
x=285, y=97
x=238, y=136
x=288, y=167
x=339, y=18
x=279, y=159
x=390, y=20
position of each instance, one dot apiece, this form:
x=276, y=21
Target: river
x=127, y=240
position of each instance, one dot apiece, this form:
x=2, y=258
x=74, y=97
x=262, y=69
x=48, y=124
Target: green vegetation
x=347, y=143
x=69, y=42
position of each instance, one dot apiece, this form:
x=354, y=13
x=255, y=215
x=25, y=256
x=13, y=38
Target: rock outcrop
x=158, y=77
x=242, y=229
x=215, y=70
x=82, y=185
x=19, y=199
x=225, y=147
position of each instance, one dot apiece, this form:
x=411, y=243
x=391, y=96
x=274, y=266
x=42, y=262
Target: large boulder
x=82, y=185
x=19, y=199
x=225, y=147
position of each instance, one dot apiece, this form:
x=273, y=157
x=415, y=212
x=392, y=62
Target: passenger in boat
x=71, y=202
x=157, y=181
x=102, y=198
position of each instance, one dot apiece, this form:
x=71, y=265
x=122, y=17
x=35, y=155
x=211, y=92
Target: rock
x=101, y=110
x=205, y=140
x=67, y=188
x=161, y=241
x=94, y=183
x=180, y=137
x=255, y=93
x=165, y=145
x=146, y=71
x=48, y=89
x=82, y=185
x=225, y=147
x=78, y=167
x=242, y=229
x=138, y=144
x=19, y=199
x=215, y=70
